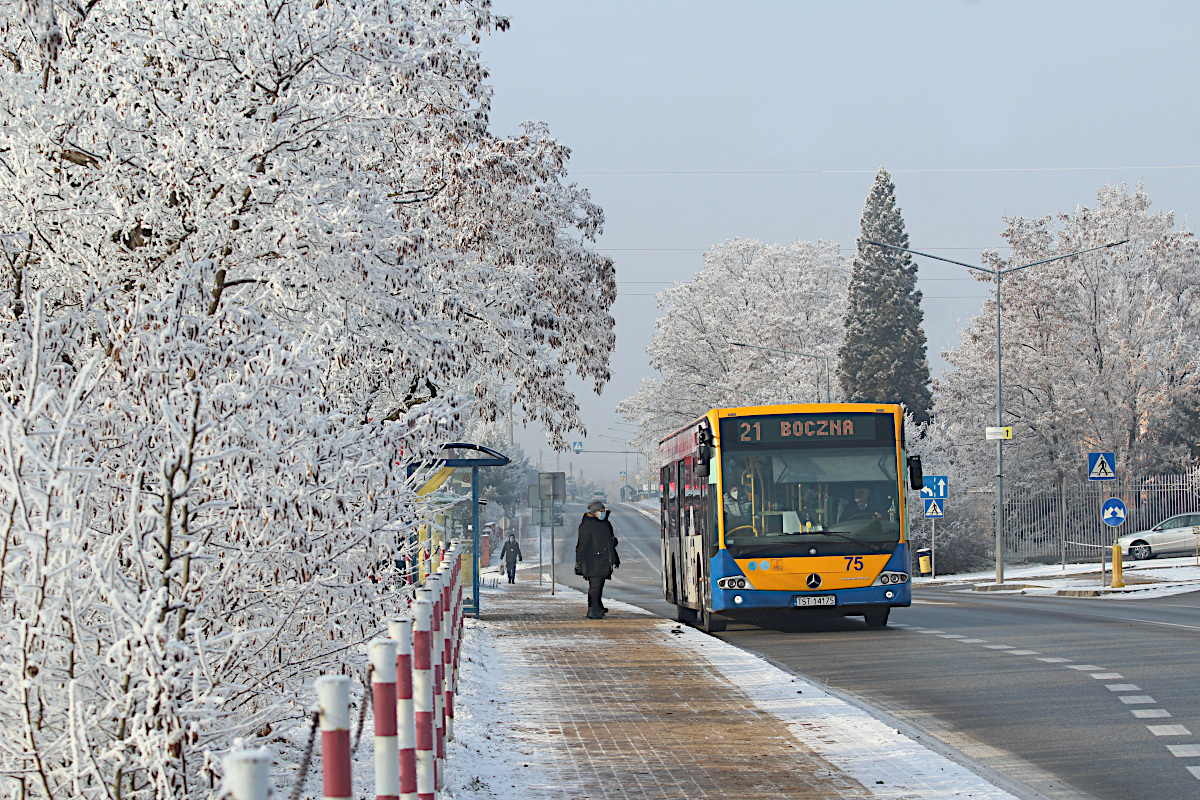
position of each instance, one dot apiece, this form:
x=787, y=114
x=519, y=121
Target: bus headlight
x=889, y=594
x=741, y=583
x=886, y=578
x=737, y=599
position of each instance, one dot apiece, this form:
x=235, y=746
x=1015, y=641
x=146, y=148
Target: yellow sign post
x=1118, y=581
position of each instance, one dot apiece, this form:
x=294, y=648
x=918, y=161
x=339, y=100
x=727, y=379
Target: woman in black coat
x=596, y=555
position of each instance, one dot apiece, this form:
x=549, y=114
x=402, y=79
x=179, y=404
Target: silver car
x=1177, y=535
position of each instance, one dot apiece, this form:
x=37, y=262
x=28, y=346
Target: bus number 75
x=854, y=561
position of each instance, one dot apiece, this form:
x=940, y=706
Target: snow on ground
x=649, y=504
x=485, y=761
x=888, y=763
x=1169, y=575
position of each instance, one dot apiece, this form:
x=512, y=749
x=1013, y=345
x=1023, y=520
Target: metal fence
x=1064, y=523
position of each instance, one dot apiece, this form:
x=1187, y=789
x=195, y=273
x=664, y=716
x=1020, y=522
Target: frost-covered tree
x=329, y=161
x=1099, y=350
x=786, y=298
x=882, y=357
x=254, y=260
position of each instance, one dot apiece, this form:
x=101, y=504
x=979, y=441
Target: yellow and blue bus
x=769, y=510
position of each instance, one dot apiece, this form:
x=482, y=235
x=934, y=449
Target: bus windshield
x=810, y=501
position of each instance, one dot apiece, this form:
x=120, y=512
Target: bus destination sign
x=797, y=428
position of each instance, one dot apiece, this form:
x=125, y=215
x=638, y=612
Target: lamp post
x=796, y=353
x=998, y=274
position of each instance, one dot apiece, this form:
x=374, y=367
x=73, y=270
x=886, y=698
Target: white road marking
x=1084, y=667
x=1054, y=660
x=1150, y=713
x=1122, y=687
x=933, y=603
x=1184, y=750
x=1169, y=730
x=999, y=647
x=1107, y=676
x=972, y=641
x=926, y=630
x=951, y=636
x=1136, y=699
x=1195, y=771
x=1130, y=619
x=1023, y=652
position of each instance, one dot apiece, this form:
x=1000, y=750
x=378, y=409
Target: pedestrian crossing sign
x=1101, y=467
x=934, y=508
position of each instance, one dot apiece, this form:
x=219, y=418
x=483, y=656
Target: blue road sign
x=934, y=508
x=1112, y=512
x=577, y=447
x=1102, y=467
x=934, y=486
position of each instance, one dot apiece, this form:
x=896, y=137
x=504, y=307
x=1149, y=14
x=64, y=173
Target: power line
x=940, y=171
x=705, y=249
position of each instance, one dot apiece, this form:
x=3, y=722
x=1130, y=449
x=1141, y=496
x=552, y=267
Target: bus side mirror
x=702, y=460
x=916, y=476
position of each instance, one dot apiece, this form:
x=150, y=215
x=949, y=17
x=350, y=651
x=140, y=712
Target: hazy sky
x=695, y=122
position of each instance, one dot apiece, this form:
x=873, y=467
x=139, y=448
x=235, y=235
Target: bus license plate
x=819, y=600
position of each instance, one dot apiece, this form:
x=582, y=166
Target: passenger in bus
x=596, y=555
x=737, y=502
x=863, y=506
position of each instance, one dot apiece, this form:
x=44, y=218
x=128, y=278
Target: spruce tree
x=882, y=358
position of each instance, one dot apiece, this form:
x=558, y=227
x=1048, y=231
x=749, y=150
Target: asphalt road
x=1057, y=697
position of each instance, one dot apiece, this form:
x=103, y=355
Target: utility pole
x=998, y=274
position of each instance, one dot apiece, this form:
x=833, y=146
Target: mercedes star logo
x=813, y=581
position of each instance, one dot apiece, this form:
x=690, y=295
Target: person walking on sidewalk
x=511, y=553
x=596, y=555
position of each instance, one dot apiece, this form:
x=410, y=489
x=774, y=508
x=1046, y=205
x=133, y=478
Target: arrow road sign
x=934, y=486
x=934, y=508
x=1112, y=512
x=1100, y=467
x=998, y=433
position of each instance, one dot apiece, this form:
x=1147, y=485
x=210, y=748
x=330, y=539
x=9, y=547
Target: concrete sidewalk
x=634, y=706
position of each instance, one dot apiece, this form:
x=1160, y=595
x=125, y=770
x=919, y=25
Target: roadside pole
x=932, y=549
x=551, y=486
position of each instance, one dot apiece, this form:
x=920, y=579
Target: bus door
x=670, y=532
x=692, y=523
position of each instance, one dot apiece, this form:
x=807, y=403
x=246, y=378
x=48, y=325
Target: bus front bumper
x=735, y=600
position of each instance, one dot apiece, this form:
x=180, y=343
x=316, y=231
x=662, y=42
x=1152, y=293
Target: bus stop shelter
x=465, y=455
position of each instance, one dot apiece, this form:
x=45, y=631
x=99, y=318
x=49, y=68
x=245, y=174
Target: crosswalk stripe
x=1184, y=750
x=1169, y=730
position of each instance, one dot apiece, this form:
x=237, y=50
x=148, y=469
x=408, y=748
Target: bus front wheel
x=709, y=622
x=877, y=618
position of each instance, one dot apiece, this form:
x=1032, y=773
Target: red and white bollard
x=439, y=696
x=247, y=775
x=382, y=653
x=333, y=700
x=400, y=630
x=423, y=706
x=448, y=612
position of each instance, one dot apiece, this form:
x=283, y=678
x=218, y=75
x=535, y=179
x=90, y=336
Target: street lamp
x=997, y=274
x=796, y=353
